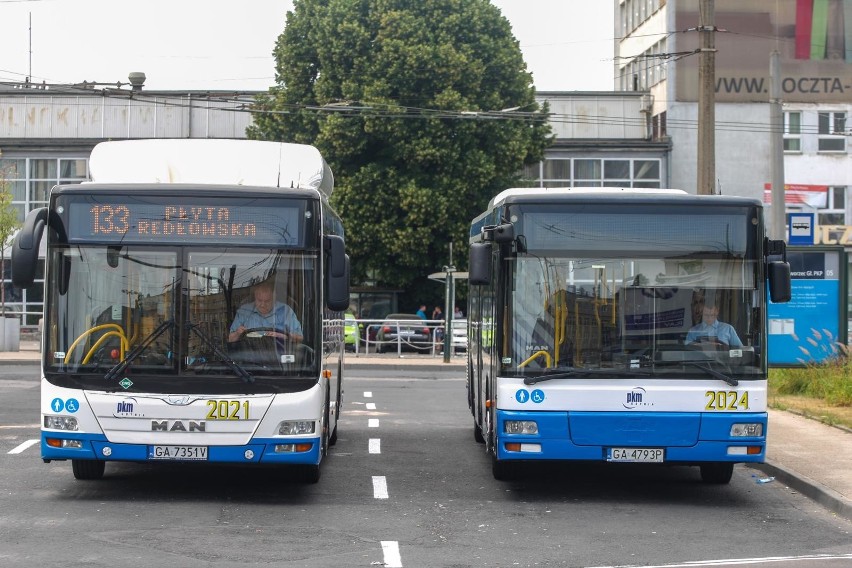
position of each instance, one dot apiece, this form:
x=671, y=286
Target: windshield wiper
x=710, y=371
x=582, y=372
x=137, y=351
x=230, y=363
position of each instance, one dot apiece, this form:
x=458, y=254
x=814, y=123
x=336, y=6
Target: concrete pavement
x=808, y=456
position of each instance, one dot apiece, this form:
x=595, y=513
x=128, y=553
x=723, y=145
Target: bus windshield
x=166, y=318
x=666, y=316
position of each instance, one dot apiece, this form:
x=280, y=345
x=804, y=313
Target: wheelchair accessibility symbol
x=522, y=396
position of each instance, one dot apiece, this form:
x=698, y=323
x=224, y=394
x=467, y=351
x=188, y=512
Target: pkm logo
x=126, y=408
x=635, y=398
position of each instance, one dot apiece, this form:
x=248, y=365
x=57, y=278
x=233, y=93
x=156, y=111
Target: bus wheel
x=310, y=473
x=477, y=433
x=717, y=472
x=88, y=469
x=503, y=470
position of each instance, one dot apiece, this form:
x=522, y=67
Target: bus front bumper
x=685, y=438
x=72, y=446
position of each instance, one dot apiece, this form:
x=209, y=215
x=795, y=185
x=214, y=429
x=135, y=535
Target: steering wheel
x=255, y=332
x=709, y=342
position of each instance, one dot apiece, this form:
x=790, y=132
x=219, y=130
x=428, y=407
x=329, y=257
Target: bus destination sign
x=134, y=222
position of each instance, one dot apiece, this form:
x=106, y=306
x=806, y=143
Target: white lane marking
x=368, y=394
x=380, y=487
x=373, y=423
x=20, y=427
x=24, y=446
x=371, y=406
x=375, y=446
x=738, y=561
x=390, y=550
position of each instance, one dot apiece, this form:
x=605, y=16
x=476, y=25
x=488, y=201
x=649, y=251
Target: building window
x=793, y=131
x=646, y=173
x=616, y=173
x=587, y=173
x=31, y=180
x=834, y=212
x=591, y=172
x=831, y=129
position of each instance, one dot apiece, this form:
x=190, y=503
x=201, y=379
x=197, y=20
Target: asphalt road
x=406, y=485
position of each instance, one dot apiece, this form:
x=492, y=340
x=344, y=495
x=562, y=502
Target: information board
x=806, y=329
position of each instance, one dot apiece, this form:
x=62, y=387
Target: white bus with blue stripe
x=146, y=269
x=621, y=325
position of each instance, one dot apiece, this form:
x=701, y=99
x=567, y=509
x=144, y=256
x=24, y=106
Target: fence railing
x=399, y=336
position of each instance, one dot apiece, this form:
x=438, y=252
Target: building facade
x=657, y=53
x=47, y=135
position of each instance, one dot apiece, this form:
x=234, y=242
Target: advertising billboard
x=813, y=38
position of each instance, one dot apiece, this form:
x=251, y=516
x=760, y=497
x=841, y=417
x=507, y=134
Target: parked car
x=406, y=330
x=459, y=335
x=350, y=332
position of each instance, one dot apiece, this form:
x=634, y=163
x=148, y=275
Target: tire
x=310, y=474
x=333, y=438
x=718, y=473
x=88, y=469
x=477, y=433
x=325, y=436
x=504, y=470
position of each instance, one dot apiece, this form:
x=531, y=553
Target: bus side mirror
x=337, y=275
x=479, y=266
x=25, y=248
x=780, y=287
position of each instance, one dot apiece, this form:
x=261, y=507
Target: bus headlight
x=746, y=430
x=60, y=422
x=520, y=427
x=297, y=427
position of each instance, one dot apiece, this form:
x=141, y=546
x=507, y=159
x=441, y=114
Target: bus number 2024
x=726, y=400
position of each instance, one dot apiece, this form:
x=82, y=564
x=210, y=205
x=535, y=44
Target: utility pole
x=777, y=229
x=707, y=98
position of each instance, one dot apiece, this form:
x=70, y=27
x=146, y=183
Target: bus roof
x=551, y=191
x=205, y=161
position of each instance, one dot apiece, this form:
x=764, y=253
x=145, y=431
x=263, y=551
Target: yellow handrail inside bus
x=537, y=354
x=102, y=339
x=90, y=331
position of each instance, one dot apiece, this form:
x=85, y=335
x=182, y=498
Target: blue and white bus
x=146, y=269
x=584, y=304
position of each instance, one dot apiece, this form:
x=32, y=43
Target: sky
x=227, y=44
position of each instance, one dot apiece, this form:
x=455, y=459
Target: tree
x=8, y=225
x=405, y=100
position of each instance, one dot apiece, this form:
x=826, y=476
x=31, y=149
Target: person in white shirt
x=712, y=330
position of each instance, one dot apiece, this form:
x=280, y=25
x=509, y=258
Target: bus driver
x=712, y=330
x=278, y=319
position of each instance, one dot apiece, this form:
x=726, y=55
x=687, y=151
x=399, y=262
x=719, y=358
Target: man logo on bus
x=636, y=398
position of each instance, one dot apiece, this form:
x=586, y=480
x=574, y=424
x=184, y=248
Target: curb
x=825, y=496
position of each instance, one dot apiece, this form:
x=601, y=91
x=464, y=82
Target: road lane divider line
x=375, y=446
x=371, y=406
x=380, y=487
x=390, y=551
x=373, y=423
x=24, y=446
x=368, y=394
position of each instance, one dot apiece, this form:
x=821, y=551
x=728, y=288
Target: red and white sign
x=799, y=194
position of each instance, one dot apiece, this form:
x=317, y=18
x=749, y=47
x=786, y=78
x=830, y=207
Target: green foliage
x=413, y=161
x=830, y=381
